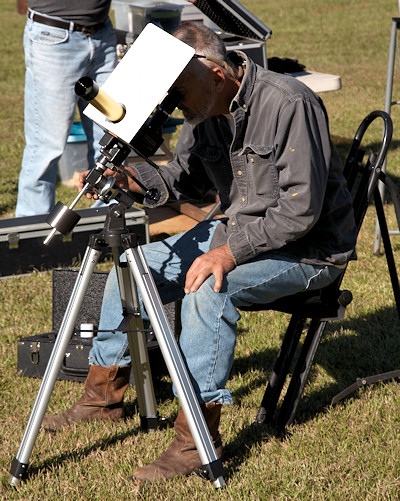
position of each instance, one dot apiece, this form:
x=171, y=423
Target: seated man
x=262, y=140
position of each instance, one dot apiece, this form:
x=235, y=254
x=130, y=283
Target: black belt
x=66, y=25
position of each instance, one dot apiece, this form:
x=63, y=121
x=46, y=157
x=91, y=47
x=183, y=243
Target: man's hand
x=121, y=180
x=215, y=262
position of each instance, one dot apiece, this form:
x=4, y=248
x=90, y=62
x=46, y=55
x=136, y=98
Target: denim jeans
x=209, y=319
x=55, y=59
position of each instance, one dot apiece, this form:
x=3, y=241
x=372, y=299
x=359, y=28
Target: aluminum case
x=22, y=248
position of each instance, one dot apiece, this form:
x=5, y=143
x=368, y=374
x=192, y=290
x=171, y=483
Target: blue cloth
x=55, y=59
x=209, y=319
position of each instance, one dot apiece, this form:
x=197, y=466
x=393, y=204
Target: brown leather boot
x=102, y=398
x=181, y=457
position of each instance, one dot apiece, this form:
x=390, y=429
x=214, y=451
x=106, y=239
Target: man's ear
x=219, y=78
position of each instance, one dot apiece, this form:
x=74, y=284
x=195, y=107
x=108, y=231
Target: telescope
x=133, y=121
x=113, y=152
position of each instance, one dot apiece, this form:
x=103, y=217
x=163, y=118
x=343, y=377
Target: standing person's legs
x=52, y=58
x=99, y=66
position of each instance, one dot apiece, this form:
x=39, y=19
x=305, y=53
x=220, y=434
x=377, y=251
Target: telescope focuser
x=149, y=137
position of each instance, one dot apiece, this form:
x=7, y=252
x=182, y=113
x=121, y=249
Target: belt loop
x=71, y=26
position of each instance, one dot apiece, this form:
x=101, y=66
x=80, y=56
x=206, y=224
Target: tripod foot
x=18, y=472
x=150, y=423
x=213, y=471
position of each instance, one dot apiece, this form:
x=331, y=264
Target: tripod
x=132, y=276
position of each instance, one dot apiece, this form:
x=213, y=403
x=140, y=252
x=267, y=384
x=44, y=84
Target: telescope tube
x=88, y=90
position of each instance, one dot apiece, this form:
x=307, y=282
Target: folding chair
x=329, y=303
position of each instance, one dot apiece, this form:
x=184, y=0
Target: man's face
x=198, y=99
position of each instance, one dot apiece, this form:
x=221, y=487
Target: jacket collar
x=242, y=97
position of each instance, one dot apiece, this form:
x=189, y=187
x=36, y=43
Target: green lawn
x=347, y=451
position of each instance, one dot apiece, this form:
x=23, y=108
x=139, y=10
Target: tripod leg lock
x=211, y=471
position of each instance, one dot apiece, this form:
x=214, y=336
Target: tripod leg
x=174, y=361
x=137, y=345
x=20, y=462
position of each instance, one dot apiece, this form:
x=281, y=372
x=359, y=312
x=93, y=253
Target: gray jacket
x=279, y=177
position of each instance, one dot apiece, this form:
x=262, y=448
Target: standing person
x=262, y=139
x=63, y=41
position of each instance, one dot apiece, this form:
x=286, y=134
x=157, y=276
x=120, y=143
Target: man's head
x=209, y=81
x=204, y=40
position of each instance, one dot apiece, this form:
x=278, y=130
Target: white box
x=135, y=15
x=193, y=14
x=160, y=58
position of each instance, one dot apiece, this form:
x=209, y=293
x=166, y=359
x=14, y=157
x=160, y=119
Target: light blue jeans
x=55, y=59
x=209, y=319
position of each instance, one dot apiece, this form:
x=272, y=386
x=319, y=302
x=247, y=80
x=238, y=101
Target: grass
x=347, y=451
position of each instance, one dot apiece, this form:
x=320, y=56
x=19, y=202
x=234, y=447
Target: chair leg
x=281, y=368
x=300, y=374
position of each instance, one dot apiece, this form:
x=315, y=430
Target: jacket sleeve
x=301, y=156
x=183, y=178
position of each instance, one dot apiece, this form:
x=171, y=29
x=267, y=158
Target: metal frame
x=388, y=107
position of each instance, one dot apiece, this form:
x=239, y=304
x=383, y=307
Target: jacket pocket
x=263, y=174
x=217, y=167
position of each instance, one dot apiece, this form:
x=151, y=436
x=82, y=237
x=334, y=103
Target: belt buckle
x=88, y=30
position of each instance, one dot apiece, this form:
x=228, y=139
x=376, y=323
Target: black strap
x=63, y=24
x=50, y=21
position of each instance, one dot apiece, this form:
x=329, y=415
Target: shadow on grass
x=354, y=348
x=55, y=461
x=370, y=347
x=369, y=344
x=131, y=410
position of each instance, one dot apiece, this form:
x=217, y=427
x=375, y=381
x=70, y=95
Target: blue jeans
x=209, y=319
x=55, y=59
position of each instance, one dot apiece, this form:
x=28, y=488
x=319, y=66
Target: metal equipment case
x=22, y=248
x=34, y=351
x=238, y=27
